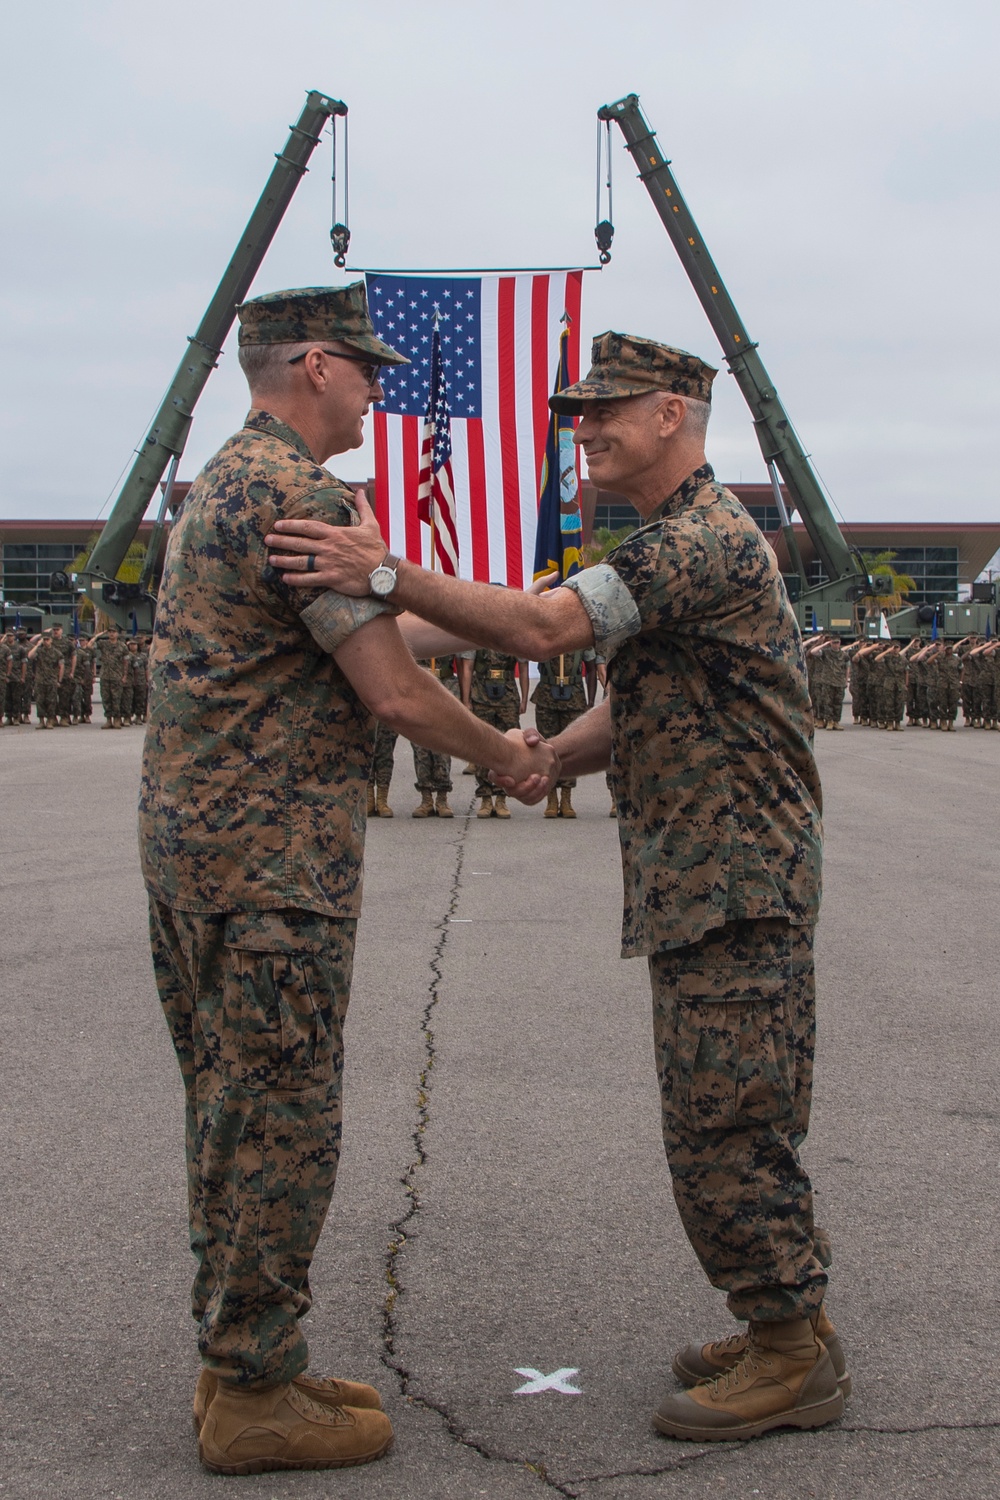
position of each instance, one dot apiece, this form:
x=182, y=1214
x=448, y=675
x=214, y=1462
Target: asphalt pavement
x=503, y=1257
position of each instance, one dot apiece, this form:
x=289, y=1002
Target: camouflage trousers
x=551, y=718
x=829, y=704
x=734, y=1032
x=14, y=699
x=382, y=760
x=83, y=705
x=255, y=1003
x=111, y=697
x=67, y=689
x=432, y=771
x=46, y=697
x=128, y=693
x=503, y=715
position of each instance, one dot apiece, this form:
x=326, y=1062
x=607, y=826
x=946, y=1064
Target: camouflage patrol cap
x=315, y=313
x=623, y=365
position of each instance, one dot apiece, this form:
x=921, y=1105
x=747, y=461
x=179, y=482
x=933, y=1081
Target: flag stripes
x=498, y=433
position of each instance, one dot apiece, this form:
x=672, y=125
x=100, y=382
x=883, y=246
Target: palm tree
x=602, y=542
x=889, y=587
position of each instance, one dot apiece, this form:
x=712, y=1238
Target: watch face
x=383, y=581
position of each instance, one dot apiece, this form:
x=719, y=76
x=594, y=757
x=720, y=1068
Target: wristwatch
x=382, y=580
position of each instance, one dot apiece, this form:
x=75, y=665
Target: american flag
x=499, y=349
x=435, y=487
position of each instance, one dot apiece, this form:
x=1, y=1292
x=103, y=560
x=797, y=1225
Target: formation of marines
x=925, y=684
x=494, y=686
x=56, y=672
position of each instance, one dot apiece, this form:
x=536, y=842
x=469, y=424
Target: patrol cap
x=624, y=365
x=317, y=313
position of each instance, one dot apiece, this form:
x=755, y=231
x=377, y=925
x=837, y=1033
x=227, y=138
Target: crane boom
x=168, y=433
x=775, y=433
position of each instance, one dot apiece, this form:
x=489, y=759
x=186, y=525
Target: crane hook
x=340, y=235
x=604, y=231
x=340, y=239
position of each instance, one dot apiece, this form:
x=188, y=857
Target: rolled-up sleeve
x=610, y=607
x=333, y=618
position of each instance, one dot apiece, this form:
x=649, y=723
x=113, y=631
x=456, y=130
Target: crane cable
x=604, y=230
x=340, y=234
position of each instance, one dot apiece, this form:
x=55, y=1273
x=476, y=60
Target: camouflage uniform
x=252, y=820
x=140, y=684
x=835, y=665
x=111, y=668
x=860, y=677
x=719, y=820
x=383, y=757
x=949, y=685
x=894, y=688
x=432, y=770
x=128, y=682
x=28, y=697
x=83, y=676
x=47, y=659
x=67, y=687
x=560, y=697
x=496, y=700
x=18, y=692
x=6, y=676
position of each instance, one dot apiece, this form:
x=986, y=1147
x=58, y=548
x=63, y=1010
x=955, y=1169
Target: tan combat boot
x=785, y=1379
x=500, y=805
x=371, y=801
x=443, y=809
x=323, y=1389
x=382, y=802
x=566, y=809
x=469, y=770
x=707, y=1361
x=426, y=808
x=485, y=806
x=256, y=1431
x=552, y=805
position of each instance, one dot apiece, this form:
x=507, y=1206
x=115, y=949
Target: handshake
x=534, y=770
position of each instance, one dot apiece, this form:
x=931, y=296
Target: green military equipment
x=167, y=436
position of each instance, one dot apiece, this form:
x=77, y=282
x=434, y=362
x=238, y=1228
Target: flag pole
x=432, y=507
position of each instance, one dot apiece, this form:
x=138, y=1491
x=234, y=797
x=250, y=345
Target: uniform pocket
x=733, y=1051
x=282, y=1026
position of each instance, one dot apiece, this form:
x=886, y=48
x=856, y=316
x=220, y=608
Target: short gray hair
x=266, y=366
x=696, y=416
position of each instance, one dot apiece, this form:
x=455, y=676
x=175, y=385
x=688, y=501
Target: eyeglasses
x=374, y=371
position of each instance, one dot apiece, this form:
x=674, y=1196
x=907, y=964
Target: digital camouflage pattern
x=112, y=663
x=83, y=682
x=383, y=756
x=315, y=314
x=252, y=822
x=734, y=1033
x=257, y=749
x=717, y=790
x=623, y=365
x=47, y=662
x=503, y=712
x=553, y=711
x=432, y=769
x=255, y=1003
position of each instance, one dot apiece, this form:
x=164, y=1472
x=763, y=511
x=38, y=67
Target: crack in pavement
x=402, y=1230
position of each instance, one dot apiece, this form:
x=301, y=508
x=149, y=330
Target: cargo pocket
x=733, y=1056
x=281, y=1028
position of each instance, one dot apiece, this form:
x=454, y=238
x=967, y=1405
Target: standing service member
x=261, y=728
x=707, y=730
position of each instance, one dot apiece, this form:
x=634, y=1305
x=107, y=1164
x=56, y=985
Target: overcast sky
x=841, y=162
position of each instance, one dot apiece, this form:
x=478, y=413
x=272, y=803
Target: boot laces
x=722, y=1347
x=753, y=1361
